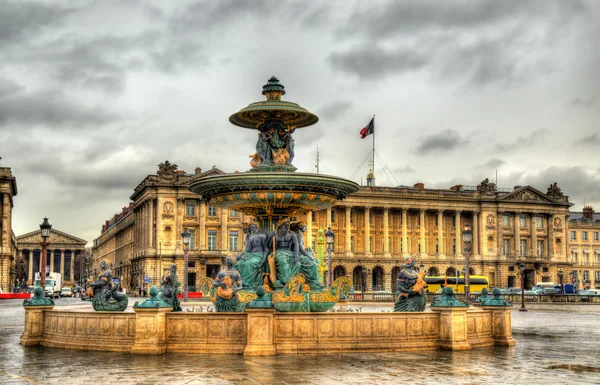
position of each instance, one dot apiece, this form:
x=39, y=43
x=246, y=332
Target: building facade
x=8, y=241
x=584, y=249
x=145, y=238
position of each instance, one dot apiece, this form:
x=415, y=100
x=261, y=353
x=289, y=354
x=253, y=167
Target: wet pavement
x=556, y=344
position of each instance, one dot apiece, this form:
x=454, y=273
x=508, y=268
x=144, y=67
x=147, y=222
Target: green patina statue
x=447, y=299
x=170, y=288
x=249, y=263
x=106, y=296
x=226, y=287
x=154, y=301
x=483, y=297
x=263, y=300
x=410, y=293
x=497, y=300
x=38, y=298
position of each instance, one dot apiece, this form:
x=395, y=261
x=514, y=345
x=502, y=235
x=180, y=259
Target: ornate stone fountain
x=275, y=195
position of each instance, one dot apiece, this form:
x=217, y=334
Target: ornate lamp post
x=45, y=228
x=467, y=234
x=330, y=238
x=522, y=270
x=186, y=243
x=560, y=278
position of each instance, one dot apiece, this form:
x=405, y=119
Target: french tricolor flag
x=368, y=130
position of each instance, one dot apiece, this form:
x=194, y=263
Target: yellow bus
x=476, y=283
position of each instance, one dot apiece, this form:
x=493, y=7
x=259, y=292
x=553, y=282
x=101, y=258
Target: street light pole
x=467, y=234
x=330, y=237
x=186, y=243
x=45, y=228
x=522, y=269
x=560, y=277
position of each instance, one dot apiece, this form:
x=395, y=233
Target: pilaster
x=453, y=328
x=501, y=325
x=33, y=332
x=386, y=232
x=260, y=333
x=150, y=330
x=405, y=252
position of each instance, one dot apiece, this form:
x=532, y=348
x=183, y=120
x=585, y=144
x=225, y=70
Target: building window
x=573, y=235
x=419, y=244
x=573, y=256
x=351, y=216
x=540, y=248
x=586, y=276
x=192, y=239
x=371, y=218
x=436, y=221
x=212, y=240
x=437, y=246
x=454, y=246
x=506, y=247
x=597, y=276
x=418, y=220
x=584, y=236
x=539, y=223
x=233, y=240
x=332, y=216
x=370, y=244
x=191, y=263
x=586, y=258
x=389, y=244
x=233, y=214
x=190, y=208
x=505, y=220
x=522, y=221
x=595, y=235
x=352, y=243
x=212, y=211
x=523, y=246
x=511, y=268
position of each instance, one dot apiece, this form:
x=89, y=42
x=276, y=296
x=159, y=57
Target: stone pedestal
x=260, y=333
x=501, y=325
x=33, y=332
x=150, y=330
x=453, y=327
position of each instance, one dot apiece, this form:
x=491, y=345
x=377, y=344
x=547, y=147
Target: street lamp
x=45, y=228
x=330, y=238
x=560, y=277
x=467, y=234
x=522, y=269
x=186, y=243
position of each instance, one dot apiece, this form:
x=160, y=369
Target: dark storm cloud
x=590, y=140
x=585, y=103
x=50, y=108
x=21, y=20
x=523, y=141
x=334, y=110
x=443, y=141
x=483, y=42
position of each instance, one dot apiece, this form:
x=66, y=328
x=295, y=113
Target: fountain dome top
x=290, y=114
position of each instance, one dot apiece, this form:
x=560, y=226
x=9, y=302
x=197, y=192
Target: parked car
x=66, y=292
x=551, y=290
x=510, y=290
x=589, y=292
x=534, y=291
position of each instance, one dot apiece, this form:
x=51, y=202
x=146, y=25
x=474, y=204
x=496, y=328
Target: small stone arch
x=357, y=278
x=451, y=272
x=339, y=271
x=490, y=243
x=472, y=271
x=377, y=279
x=433, y=271
x=394, y=278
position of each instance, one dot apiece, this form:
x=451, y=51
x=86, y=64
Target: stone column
x=386, y=232
x=40, y=262
x=549, y=237
x=349, y=252
x=201, y=238
x=150, y=330
x=422, y=241
x=30, y=271
x=501, y=325
x=565, y=238
x=476, y=233
x=534, y=234
x=404, y=233
x=151, y=223
x=260, y=333
x=328, y=218
x=51, y=254
x=224, y=230
x=33, y=333
x=72, y=265
x=62, y=262
x=499, y=236
x=367, y=231
x=457, y=232
x=517, y=228
x=309, y=235
x=453, y=328
x=441, y=244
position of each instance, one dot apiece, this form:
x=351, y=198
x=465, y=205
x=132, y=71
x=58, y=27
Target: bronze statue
x=309, y=266
x=227, y=285
x=170, y=288
x=410, y=293
x=249, y=263
x=283, y=246
x=106, y=296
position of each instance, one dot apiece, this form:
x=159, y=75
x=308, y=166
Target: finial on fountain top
x=273, y=90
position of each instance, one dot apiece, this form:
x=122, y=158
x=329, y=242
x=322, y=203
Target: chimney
x=588, y=212
x=198, y=171
x=419, y=185
x=518, y=187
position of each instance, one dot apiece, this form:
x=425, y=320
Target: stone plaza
x=556, y=344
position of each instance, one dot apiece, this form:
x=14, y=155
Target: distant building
x=8, y=241
x=584, y=249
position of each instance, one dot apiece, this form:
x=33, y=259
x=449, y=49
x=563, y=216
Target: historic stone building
x=8, y=241
x=376, y=228
x=145, y=238
x=62, y=251
x=584, y=249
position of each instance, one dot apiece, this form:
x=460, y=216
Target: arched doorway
x=357, y=281
x=472, y=271
x=433, y=271
x=394, y=280
x=377, y=279
x=450, y=272
x=338, y=272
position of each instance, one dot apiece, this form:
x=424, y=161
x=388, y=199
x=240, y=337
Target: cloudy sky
x=94, y=94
